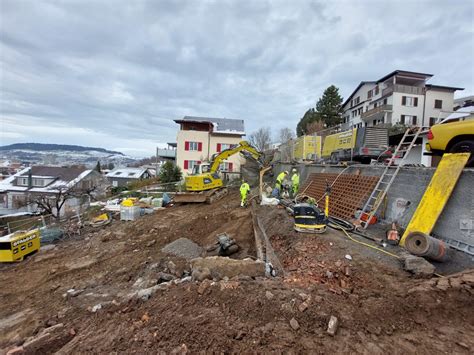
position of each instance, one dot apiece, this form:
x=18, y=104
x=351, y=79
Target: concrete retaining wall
x=456, y=222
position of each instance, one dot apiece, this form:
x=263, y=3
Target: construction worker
x=279, y=180
x=295, y=182
x=244, y=189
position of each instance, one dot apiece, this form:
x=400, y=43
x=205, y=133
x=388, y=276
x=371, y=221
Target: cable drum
x=421, y=244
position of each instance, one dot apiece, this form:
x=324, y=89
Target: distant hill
x=40, y=147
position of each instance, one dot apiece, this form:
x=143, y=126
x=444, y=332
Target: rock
x=183, y=248
x=304, y=296
x=96, y=308
x=269, y=295
x=240, y=335
x=303, y=306
x=329, y=274
x=443, y=284
x=223, y=266
x=16, y=350
x=229, y=285
x=348, y=257
x=333, y=325
x=183, y=349
x=294, y=324
x=146, y=293
x=203, y=286
x=347, y=271
x=164, y=277
x=48, y=340
x=200, y=274
x=151, y=243
x=418, y=266
x=48, y=247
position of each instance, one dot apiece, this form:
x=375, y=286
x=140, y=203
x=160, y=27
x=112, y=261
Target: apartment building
x=201, y=137
x=401, y=97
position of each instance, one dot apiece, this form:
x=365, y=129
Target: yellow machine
x=205, y=181
x=311, y=219
x=15, y=246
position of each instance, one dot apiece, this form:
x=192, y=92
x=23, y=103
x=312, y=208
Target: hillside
x=41, y=147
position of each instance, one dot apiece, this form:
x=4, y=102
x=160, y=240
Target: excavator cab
x=201, y=169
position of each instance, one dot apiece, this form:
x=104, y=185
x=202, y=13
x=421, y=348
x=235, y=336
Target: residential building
x=168, y=153
x=199, y=138
x=463, y=102
x=401, y=97
x=121, y=177
x=19, y=192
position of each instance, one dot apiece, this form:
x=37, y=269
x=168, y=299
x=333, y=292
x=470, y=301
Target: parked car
x=454, y=134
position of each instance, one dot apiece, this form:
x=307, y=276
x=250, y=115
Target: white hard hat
x=294, y=170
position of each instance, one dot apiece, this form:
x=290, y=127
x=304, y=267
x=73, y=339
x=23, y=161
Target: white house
x=401, y=97
x=201, y=137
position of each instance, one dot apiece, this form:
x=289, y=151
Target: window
x=189, y=164
x=224, y=146
x=408, y=120
x=374, y=122
x=432, y=121
x=193, y=146
x=114, y=183
x=369, y=94
x=359, y=111
x=409, y=101
x=131, y=174
x=385, y=101
x=22, y=181
x=38, y=182
x=376, y=90
x=438, y=104
x=357, y=100
x=226, y=166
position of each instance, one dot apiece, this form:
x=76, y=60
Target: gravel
x=183, y=248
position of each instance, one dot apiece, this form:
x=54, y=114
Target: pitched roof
x=397, y=72
x=64, y=174
x=221, y=125
x=362, y=83
x=449, y=88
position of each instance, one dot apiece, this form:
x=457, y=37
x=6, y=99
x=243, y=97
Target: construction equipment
x=311, y=219
x=388, y=176
x=437, y=194
x=358, y=144
x=205, y=183
x=15, y=246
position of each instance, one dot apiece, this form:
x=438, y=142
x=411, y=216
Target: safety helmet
x=286, y=172
x=294, y=170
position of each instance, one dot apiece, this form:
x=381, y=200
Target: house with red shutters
x=201, y=137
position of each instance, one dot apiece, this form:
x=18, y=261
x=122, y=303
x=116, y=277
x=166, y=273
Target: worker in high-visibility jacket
x=244, y=190
x=295, y=182
x=279, y=180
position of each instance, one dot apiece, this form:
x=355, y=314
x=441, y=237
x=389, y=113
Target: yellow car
x=454, y=134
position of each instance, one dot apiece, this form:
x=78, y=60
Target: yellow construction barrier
x=437, y=194
x=15, y=246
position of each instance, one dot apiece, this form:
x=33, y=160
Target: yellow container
x=307, y=148
x=15, y=246
x=337, y=141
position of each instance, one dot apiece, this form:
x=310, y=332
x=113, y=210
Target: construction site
x=319, y=271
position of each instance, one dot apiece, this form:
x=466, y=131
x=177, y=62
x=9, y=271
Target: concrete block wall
x=456, y=222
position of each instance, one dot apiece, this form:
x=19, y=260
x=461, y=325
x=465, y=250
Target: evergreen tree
x=169, y=172
x=329, y=106
x=97, y=167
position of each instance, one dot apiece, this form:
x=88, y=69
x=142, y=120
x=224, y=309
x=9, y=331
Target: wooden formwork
x=348, y=194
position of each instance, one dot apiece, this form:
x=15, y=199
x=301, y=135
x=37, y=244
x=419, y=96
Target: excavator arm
x=243, y=146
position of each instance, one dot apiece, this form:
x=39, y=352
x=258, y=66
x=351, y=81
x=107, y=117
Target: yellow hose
x=374, y=247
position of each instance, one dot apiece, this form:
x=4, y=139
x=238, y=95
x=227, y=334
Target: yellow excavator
x=205, y=184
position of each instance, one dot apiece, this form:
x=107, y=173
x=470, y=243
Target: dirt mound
x=183, y=248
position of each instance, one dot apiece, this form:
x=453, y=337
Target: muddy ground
x=380, y=307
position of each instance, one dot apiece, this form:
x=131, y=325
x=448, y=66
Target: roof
x=362, y=83
x=65, y=174
x=450, y=88
x=463, y=99
x=127, y=173
x=398, y=72
x=462, y=112
x=63, y=178
x=221, y=125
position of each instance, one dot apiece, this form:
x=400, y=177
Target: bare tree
x=53, y=202
x=285, y=134
x=261, y=138
x=315, y=126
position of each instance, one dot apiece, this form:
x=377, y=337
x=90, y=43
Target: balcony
x=166, y=153
x=376, y=113
x=405, y=89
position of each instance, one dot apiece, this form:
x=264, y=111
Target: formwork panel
x=348, y=194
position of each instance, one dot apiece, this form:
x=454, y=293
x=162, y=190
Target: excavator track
x=208, y=196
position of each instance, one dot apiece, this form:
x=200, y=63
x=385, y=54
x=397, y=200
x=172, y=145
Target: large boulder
x=418, y=266
x=221, y=267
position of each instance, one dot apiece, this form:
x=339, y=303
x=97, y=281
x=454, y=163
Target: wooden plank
x=436, y=194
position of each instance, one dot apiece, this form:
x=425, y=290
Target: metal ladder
x=388, y=176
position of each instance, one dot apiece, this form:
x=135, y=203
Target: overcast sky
x=115, y=74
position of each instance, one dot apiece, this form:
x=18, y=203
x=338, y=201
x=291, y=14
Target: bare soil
x=380, y=308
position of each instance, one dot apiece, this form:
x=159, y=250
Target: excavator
x=205, y=184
